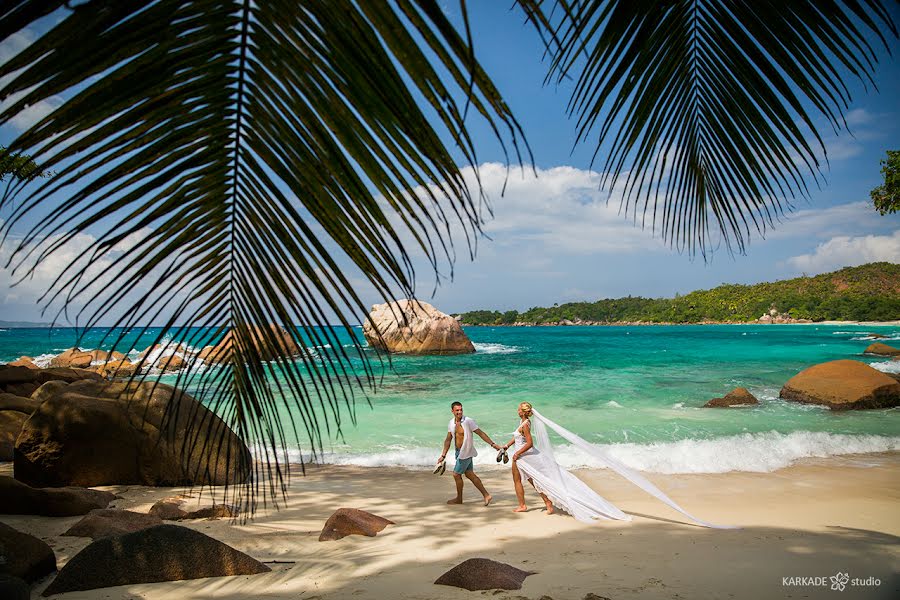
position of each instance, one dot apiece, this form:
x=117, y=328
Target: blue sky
x=554, y=238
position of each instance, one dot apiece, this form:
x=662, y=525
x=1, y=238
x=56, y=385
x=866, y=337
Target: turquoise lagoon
x=637, y=390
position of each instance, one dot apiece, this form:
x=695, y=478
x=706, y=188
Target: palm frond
x=705, y=110
x=249, y=145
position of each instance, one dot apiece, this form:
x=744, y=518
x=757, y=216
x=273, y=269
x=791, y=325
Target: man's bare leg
x=459, y=487
x=477, y=482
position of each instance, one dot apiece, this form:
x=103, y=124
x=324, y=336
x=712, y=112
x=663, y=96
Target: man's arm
x=487, y=439
x=447, y=441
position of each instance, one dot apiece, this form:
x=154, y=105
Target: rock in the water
x=161, y=553
x=882, y=350
x=842, y=385
x=352, y=521
x=266, y=340
x=24, y=556
x=22, y=404
x=11, y=422
x=118, y=368
x=415, y=327
x=173, y=362
x=736, y=397
x=17, y=498
x=104, y=433
x=106, y=356
x=14, y=588
x=105, y=522
x=484, y=574
x=73, y=358
x=24, y=361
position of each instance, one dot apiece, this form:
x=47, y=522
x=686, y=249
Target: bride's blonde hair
x=526, y=407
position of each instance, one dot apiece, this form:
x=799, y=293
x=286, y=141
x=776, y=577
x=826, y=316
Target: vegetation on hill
x=867, y=293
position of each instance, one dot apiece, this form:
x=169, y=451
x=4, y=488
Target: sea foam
x=487, y=348
x=751, y=452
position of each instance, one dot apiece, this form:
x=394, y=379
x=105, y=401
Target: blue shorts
x=462, y=465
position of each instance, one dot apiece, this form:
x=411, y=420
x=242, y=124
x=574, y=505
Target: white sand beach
x=810, y=520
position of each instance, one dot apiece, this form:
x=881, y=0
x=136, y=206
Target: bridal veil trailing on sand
x=572, y=494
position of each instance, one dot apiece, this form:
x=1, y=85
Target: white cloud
x=65, y=261
x=847, y=251
x=852, y=218
x=561, y=209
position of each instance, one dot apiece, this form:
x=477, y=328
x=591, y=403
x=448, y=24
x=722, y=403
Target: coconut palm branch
x=234, y=153
x=238, y=149
x=705, y=112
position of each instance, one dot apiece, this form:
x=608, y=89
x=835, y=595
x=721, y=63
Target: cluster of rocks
x=267, y=341
x=71, y=427
x=128, y=547
x=837, y=384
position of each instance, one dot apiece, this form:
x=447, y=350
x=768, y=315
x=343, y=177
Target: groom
x=461, y=428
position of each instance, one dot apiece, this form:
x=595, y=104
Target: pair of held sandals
x=442, y=466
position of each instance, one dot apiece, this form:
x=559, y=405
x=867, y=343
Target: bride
x=533, y=459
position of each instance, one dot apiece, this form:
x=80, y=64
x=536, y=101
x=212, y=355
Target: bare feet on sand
x=487, y=499
x=454, y=501
x=522, y=508
x=550, y=509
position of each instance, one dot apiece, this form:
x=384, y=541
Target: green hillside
x=867, y=293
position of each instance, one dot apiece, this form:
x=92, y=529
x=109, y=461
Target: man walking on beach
x=461, y=428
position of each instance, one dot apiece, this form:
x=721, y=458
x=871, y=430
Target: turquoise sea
x=636, y=389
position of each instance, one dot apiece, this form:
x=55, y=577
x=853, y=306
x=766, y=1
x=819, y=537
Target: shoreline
x=807, y=520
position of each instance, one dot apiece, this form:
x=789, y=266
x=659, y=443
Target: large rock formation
x=736, y=397
x=161, y=553
x=92, y=433
x=352, y=521
x=484, y=574
x=414, y=327
x=24, y=556
x=880, y=349
x=843, y=385
x=16, y=498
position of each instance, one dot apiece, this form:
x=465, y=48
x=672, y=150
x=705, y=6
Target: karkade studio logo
x=838, y=582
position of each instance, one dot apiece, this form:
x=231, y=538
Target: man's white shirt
x=468, y=446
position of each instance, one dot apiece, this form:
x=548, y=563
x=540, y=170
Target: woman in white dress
x=533, y=459
x=555, y=485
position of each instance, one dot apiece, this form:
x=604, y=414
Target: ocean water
x=636, y=390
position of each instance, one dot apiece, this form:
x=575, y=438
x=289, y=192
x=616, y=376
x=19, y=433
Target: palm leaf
x=705, y=111
x=251, y=146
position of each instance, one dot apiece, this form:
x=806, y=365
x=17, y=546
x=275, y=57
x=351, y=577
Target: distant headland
x=869, y=292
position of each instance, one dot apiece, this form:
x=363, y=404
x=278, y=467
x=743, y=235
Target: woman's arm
x=529, y=443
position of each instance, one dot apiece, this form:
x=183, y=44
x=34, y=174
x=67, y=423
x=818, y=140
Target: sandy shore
x=808, y=520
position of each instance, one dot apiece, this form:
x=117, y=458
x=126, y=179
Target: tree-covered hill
x=867, y=293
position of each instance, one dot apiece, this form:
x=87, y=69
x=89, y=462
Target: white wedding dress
x=567, y=491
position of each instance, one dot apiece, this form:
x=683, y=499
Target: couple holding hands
x=462, y=429
x=533, y=460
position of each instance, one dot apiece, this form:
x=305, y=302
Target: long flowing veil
x=542, y=442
